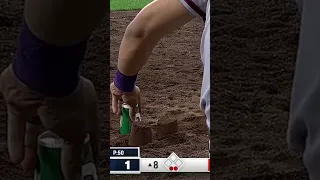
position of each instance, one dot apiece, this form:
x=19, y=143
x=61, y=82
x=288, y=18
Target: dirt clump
x=166, y=127
x=141, y=134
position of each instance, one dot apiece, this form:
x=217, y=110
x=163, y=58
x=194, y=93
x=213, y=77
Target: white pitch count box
x=126, y=160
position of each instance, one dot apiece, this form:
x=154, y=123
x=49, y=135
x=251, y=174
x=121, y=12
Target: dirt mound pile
x=166, y=127
x=141, y=134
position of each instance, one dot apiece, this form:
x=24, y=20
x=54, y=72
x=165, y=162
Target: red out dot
x=175, y=168
x=171, y=168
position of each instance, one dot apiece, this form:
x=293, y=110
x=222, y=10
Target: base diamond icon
x=173, y=157
x=168, y=163
x=173, y=162
x=179, y=162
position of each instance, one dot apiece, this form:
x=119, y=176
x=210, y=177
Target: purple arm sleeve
x=125, y=83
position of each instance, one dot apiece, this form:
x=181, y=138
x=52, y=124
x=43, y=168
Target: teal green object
x=49, y=153
x=125, y=121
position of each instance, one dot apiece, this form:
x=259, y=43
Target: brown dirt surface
x=170, y=84
x=256, y=44
x=166, y=126
x=141, y=134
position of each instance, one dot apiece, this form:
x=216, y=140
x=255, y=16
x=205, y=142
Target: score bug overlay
x=174, y=164
x=127, y=160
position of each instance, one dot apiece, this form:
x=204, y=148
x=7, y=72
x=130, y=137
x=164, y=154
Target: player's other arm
x=155, y=21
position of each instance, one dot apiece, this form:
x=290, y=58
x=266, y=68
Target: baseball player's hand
x=26, y=108
x=131, y=98
x=29, y=162
x=23, y=123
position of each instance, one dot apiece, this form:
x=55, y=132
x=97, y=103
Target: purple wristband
x=125, y=83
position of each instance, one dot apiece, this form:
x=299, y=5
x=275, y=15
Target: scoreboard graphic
x=127, y=160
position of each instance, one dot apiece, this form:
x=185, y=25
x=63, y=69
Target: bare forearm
x=142, y=35
x=134, y=52
x=146, y=30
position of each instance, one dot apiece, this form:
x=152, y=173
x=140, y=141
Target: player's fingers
x=133, y=111
x=138, y=99
x=116, y=96
x=139, y=103
x=120, y=102
x=29, y=162
x=115, y=103
x=16, y=134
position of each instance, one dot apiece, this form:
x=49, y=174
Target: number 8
x=155, y=164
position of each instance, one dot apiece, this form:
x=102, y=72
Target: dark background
x=254, y=50
x=95, y=67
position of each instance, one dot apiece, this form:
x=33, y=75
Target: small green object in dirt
x=125, y=121
x=49, y=153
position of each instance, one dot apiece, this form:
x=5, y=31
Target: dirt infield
x=256, y=43
x=170, y=84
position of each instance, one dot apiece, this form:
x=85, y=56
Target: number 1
x=128, y=164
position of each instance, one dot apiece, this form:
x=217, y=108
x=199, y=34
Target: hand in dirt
x=23, y=124
x=29, y=162
x=27, y=155
x=131, y=98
